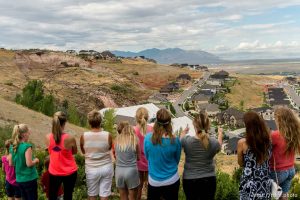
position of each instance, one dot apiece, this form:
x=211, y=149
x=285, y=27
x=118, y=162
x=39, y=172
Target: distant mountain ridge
x=174, y=55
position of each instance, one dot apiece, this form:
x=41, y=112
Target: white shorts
x=99, y=180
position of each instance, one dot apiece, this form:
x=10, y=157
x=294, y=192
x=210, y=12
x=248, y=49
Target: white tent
x=131, y=110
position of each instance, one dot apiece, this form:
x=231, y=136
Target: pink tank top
x=142, y=164
x=62, y=161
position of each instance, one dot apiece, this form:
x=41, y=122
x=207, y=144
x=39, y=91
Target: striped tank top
x=97, y=152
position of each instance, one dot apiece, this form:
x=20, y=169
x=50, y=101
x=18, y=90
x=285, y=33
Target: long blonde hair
x=59, y=120
x=202, y=124
x=141, y=118
x=127, y=138
x=288, y=125
x=162, y=125
x=18, y=134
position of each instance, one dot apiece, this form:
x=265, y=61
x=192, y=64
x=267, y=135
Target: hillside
x=174, y=55
x=39, y=124
x=88, y=84
x=249, y=89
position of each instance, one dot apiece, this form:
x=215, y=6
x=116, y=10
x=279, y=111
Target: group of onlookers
x=147, y=157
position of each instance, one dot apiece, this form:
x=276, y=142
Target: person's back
x=162, y=159
x=62, y=161
x=97, y=149
x=199, y=161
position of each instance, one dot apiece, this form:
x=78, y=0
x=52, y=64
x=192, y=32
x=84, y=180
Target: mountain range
x=174, y=55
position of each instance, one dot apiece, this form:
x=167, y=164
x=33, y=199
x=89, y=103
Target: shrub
x=33, y=97
x=108, y=122
x=5, y=134
x=227, y=188
x=120, y=88
x=135, y=73
x=172, y=109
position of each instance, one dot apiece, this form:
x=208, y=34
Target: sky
x=220, y=27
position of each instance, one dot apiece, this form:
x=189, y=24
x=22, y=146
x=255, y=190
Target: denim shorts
x=285, y=178
x=12, y=190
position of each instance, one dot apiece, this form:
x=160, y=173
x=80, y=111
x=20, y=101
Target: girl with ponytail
x=141, y=129
x=62, y=167
x=199, y=178
x=22, y=159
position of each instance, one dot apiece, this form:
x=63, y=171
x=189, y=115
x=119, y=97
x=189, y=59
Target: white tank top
x=97, y=152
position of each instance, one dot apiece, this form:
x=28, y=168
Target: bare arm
x=138, y=151
x=184, y=132
x=9, y=158
x=82, y=144
x=110, y=141
x=240, y=152
x=74, y=146
x=28, y=157
x=220, y=136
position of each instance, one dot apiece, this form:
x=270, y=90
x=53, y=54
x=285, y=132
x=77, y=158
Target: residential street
x=186, y=94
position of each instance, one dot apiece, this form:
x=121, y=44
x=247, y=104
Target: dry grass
x=39, y=124
x=249, y=88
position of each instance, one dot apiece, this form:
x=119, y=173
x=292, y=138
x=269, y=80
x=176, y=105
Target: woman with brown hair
x=141, y=129
x=162, y=150
x=62, y=167
x=199, y=177
x=254, y=152
x=285, y=143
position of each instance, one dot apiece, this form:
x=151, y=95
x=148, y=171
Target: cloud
x=257, y=46
x=139, y=24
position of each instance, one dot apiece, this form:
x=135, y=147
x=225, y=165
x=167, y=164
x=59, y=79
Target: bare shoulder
x=242, y=141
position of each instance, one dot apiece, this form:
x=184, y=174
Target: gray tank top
x=126, y=158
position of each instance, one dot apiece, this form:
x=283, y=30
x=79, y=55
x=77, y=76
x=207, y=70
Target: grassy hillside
x=249, y=89
x=39, y=124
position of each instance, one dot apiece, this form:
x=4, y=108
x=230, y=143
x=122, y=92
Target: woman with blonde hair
x=62, y=167
x=199, y=177
x=254, y=152
x=162, y=150
x=127, y=154
x=96, y=146
x=22, y=159
x=141, y=129
x=285, y=143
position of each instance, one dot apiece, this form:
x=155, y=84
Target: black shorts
x=12, y=190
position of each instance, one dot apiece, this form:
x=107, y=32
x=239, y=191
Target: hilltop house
x=231, y=117
x=211, y=88
x=71, y=52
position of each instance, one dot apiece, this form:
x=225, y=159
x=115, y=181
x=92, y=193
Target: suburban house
x=184, y=78
x=232, y=117
x=170, y=87
x=230, y=146
x=271, y=125
x=211, y=109
x=215, y=82
x=107, y=55
x=200, y=99
x=128, y=113
x=265, y=112
x=220, y=75
x=157, y=98
x=211, y=88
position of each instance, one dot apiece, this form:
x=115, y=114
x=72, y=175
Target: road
x=186, y=94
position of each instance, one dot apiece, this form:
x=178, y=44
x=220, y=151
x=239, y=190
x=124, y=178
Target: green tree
x=172, y=109
x=186, y=106
x=48, y=106
x=73, y=115
x=108, y=122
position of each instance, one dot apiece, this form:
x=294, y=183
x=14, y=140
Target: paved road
x=293, y=95
x=186, y=94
